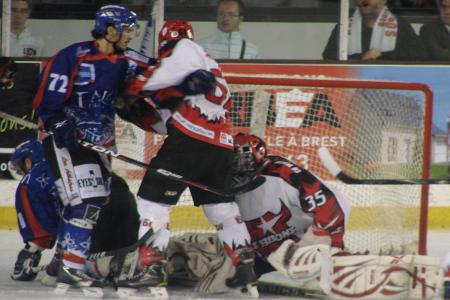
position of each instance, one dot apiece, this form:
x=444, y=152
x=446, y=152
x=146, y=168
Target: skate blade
x=48, y=280
x=124, y=293
x=90, y=292
x=249, y=291
x=158, y=292
x=61, y=288
x=147, y=293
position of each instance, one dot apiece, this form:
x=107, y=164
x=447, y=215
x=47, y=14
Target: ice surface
x=10, y=244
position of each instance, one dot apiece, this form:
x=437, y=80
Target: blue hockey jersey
x=83, y=83
x=38, y=206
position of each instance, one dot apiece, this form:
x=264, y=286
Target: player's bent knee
x=218, y=213
x=151, y=210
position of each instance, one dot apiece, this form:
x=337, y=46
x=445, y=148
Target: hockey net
x=373, y=129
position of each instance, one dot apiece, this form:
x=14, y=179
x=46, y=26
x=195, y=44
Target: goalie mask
x=31, y=149
x=173, y=31
x=250, y=153
x=119, y=17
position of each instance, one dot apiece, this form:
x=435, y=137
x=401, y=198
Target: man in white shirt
x=227, y=41
x=22, y=41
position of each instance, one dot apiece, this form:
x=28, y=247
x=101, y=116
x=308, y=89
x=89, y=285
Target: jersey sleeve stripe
x=38, y=98
x=34, y=224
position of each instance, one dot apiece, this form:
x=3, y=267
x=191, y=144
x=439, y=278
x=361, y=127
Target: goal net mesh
x=374, y=130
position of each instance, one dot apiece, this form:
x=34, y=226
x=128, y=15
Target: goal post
x=374, y=129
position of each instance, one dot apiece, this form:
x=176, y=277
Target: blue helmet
x=31, y=148
x=115, y=15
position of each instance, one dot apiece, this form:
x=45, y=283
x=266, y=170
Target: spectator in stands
x=22, y=42
x=436, y=35
x=376, y=33
x=227, y=41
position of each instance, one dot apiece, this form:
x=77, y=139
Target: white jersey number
x=316, y=200
x=57, y=79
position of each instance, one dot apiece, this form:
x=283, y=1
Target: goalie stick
x=330, y=163
x=124, y=250
x=288, y=290
x=228, y=192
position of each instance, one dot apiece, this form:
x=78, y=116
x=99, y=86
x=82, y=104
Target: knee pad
x=218, y=213
x=148, y=209
x=230, y=228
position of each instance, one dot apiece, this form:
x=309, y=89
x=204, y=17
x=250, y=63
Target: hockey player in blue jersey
x=40, y=216
x=37, y=206
x=75, y=100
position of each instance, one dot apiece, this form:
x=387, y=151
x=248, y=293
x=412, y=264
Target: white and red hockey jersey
x=288, y=203
x=203, y=117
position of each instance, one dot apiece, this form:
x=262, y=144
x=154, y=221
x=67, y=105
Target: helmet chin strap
x=119, y=36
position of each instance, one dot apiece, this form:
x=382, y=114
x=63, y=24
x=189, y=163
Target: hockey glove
x=138, y=112
x=26, y=260
x=64, y=131
x=198, y=82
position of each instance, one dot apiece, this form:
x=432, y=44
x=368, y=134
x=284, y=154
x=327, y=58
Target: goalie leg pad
x=191, y=255
x=304, y=264
x=199, y=259
x=386, y=277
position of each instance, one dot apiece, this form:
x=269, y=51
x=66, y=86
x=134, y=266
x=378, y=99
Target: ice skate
x=69, y=277
x=51, y=270
x=142, y=274
x=244, y=281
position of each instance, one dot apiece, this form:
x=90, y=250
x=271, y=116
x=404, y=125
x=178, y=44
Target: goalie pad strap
x=304, y=264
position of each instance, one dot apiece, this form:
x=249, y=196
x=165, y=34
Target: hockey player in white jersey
x=297, y=226
x=199, y=145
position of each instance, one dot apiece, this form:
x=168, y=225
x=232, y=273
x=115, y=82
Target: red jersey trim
x=189, y=121
x=35, y=226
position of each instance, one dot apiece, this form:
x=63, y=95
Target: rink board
x=437, y=218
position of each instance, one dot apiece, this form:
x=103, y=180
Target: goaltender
x=297, y=225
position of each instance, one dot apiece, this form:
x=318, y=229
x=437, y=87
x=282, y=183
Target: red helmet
x=174, y=30
x=251, y=151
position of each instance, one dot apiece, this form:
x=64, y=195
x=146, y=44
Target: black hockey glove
x=198, y=82
x=64, y=131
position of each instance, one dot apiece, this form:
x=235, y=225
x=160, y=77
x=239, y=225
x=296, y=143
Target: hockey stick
x=330, y=163
x=131, y=248
x=289, y=290
x=146, y=39
x=113, y=252
x=161, y=172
